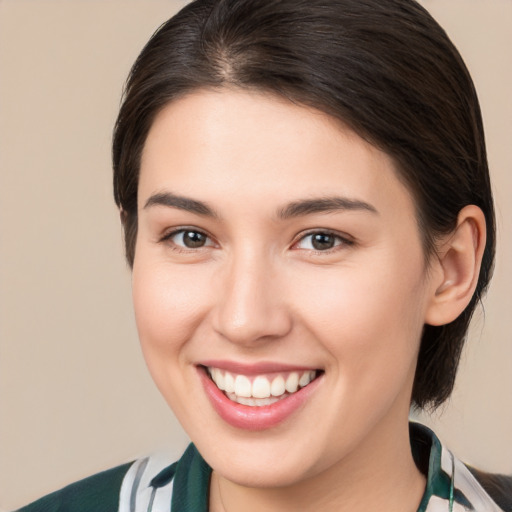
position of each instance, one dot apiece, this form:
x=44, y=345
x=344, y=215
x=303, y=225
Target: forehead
x=228, y=144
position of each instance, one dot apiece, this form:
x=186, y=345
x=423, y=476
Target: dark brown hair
x=386, y=69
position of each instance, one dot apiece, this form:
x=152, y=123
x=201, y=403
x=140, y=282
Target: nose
x=251, y=306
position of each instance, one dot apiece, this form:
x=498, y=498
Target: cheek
x=371, y=332
x=168, y=304
x=368, y=320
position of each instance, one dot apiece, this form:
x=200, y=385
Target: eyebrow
x=324, y=205
x=182, y=203
x=298, y=208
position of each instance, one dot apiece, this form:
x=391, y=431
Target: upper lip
x=254, y=368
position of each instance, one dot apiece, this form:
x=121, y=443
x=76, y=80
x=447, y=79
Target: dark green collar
x=191, y=488
x=427, y=452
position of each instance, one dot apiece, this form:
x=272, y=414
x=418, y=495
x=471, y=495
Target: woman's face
x=275, y=246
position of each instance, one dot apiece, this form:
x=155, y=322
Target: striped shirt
x=150, y=484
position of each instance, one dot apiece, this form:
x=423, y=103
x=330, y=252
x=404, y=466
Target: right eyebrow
x=324, y=205
x=182, y=203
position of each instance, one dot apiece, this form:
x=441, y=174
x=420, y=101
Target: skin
x=257, y=290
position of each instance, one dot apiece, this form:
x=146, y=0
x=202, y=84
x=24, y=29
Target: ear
x=457, y=267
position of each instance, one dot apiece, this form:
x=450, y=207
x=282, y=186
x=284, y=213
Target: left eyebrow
x=181, y=203
x=324, y=205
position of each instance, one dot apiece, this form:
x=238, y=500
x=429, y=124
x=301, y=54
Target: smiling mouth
x=260, y=390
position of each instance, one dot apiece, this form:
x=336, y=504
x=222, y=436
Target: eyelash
x=343, y=241
x=178, y=248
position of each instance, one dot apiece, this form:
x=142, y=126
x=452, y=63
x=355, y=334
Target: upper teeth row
x=261, y=386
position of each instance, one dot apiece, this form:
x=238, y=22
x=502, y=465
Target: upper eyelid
x=344, y=243
x=180, y=229
x=343, y=236
x=166, y=239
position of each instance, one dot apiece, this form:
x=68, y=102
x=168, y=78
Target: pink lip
x=255, y=418
x=254, y=368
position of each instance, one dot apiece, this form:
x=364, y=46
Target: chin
x=270, y=461
x=263, y=475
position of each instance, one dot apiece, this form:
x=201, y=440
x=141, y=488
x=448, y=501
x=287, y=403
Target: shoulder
x=483, y=491
x=450, y=481
x=499, y=487
x=99, y=492
x=141, y=485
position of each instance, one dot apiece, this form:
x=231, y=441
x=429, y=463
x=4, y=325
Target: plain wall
x=75, y=395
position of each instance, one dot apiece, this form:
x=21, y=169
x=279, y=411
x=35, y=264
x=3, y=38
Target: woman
x=308, y=215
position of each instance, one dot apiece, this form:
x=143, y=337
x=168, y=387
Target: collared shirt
x=147, y=486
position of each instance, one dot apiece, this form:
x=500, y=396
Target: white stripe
x=474, y=492
x=447, y=461
x=163, y=497
x=127, y=485
x=154, y=464
x=437, y=504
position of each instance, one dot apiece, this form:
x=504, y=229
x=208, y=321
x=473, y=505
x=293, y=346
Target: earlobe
x=459, y=261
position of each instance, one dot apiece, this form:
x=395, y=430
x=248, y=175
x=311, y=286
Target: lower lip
x=255, y=418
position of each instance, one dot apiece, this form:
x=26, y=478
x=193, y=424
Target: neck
x=379, y=475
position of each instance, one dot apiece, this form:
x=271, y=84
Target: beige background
x=75, y=395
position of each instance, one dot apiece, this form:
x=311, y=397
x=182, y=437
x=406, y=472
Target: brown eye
x=321, y=241
x=193, y=239
x=190, y=239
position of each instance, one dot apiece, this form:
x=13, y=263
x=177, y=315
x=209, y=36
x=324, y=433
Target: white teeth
x=242, y=386
x=229, y=383
x=305, y=379
x=219, y=379
x=261, y=387
x=277, y=388
x=245, y=401
x=260, y=391
x=252, y=401
x=292, y=382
